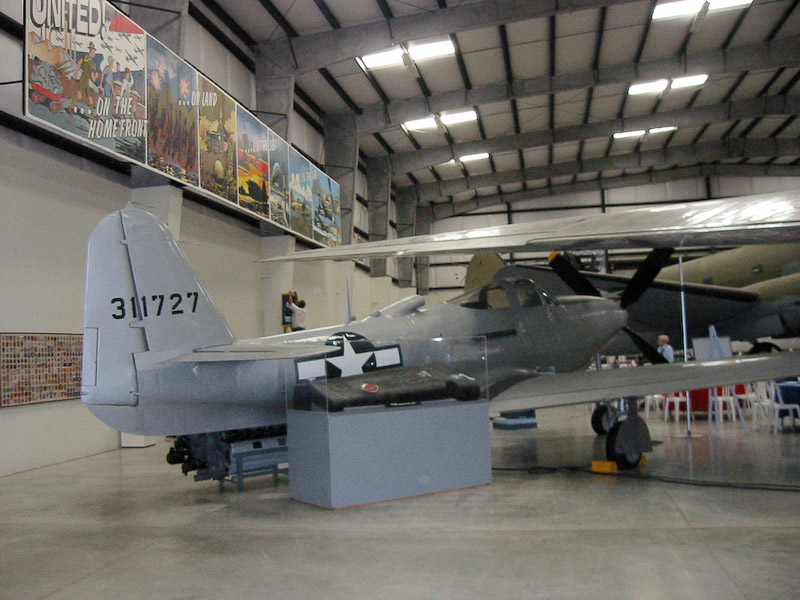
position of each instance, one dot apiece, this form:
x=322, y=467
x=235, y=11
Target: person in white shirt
x=664, y=349
x=298, y=308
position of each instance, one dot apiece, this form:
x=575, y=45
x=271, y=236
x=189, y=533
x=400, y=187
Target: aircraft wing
x=763, y=218
x=593, y=386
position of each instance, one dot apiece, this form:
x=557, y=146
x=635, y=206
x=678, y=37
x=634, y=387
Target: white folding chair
x=783, y=410
x=762, y=401
x=722, y=399
x=745, y=395
x=674, y=400
x=653, y=400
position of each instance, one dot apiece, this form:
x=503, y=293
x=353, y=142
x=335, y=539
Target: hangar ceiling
x=537, y=98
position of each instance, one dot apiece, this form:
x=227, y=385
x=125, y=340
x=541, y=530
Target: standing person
x=298, y=308
x=125, y=88
x=107, y=78
x=127, y=83
x=86, y=73
x=664, y=349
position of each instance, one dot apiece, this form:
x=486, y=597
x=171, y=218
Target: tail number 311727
x=155, y=305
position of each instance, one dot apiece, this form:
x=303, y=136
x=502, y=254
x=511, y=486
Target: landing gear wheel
x=602, y=416
x=625, y=461
x=764, y=348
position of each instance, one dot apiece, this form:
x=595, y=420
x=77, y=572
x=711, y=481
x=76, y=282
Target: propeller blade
x=571, y=276
x=649, y=351
x=645, y=275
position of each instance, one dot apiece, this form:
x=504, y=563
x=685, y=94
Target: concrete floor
x=127, y=525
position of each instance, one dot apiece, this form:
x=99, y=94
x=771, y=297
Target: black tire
x=601, y=419
x=764, y=348
x=625, y=462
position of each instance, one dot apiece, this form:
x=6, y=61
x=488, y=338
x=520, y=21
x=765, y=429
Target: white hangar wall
x=49, y=204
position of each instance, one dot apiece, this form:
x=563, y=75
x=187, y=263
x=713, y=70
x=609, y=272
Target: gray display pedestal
x=373, y=454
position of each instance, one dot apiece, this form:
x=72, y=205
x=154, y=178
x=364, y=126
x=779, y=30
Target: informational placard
x=39, y=367
x=94, y=74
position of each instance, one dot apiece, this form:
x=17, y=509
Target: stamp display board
x=39, y=367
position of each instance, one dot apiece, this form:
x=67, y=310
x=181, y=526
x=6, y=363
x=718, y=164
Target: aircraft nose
x=622, y=316
x=617, y=316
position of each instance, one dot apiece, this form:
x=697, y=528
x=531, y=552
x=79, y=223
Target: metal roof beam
x=314, y=51
x=404, y=162
x=732, y=148
x=453, y=209
x=779, y=53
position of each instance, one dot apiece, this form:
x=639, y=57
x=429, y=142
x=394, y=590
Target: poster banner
x=302, y=176
x=279, y=209
x=95, y=75
x=85, y=74
x=326, y=219
x=217, y=135
x=172, y=98
x=253, y=163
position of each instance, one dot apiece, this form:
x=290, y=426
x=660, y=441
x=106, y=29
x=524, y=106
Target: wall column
x=406, y=221
x=275, y=77
x=167, y=26
x=156, y=194
x=276, y=278
x=341, y=163
x=378, y=197
x=423, y=227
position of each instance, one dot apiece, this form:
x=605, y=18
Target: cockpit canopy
x=504, y=293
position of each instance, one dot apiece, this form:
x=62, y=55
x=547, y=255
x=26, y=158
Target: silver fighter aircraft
x=160, y=359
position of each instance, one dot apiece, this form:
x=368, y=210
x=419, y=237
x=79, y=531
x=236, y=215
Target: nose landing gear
x=627, y=435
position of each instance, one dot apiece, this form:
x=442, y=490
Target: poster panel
x=95, y=75
x=253, y=166
x=85, y=74
x=172, y=97
x=279, y=210
x=325, y=209
x=302, y=175
x=217, y=141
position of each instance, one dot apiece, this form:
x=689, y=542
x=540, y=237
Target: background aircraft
x=755, y=294
x=160, y=359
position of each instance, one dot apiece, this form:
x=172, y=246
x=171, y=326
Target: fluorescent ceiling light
x=689, y=81
x=648, y=87
x=627, y=134
x=469, y=157
x=467, y=115
x=669, y=10
x=426, y=123
x=386, y=58
x=431, y=50
x=662, y=129
x=723, y=4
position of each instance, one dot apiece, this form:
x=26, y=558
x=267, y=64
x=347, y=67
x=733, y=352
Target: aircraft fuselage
x=497, y=343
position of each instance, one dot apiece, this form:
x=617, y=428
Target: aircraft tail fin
x=141, y=296
x=482, y=269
